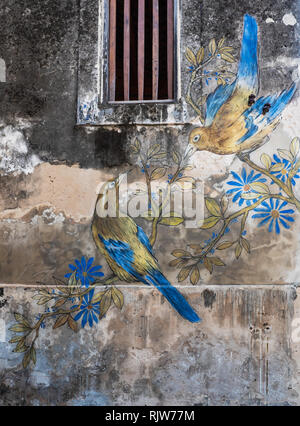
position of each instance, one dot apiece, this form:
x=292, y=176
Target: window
x=141, y=50
x=129, y=63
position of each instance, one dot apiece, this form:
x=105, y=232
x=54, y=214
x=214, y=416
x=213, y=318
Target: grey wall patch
x=2, y=71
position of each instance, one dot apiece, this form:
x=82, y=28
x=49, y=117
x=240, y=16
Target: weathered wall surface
x=246, y=349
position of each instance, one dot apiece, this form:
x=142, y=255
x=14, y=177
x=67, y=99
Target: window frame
x=93, y=107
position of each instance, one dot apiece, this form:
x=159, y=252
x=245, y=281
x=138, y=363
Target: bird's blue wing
x=144, y=239
x=254, y=118
x=122, y=254
x=216, y=99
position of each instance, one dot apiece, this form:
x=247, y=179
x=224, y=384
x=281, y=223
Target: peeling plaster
x=289, y=19
x=14, y=153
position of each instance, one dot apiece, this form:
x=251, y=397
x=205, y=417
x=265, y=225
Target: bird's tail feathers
x=247, y=75
x=173, y=296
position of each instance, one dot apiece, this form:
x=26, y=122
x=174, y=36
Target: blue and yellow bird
x=235, y=122
x=128, y=251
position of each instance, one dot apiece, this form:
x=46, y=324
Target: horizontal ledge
x=138, y=102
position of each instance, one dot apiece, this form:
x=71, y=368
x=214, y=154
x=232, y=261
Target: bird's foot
x=251, y=100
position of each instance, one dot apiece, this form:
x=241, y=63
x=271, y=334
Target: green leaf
x=209, y=222
x=180, y=253
x=266, y=160
x=225, y=245
x=213, y=207
x=137, y=144
x=72, y=324
x=195, y=275
x=178, y=262
x=176, y=157
x=259, y=187
x=117, y=297
x=158, y=173
x=159, y=155
x=105, y=303
x=16, y=339
x=190, y=56
x=212, y=47
x=221, y=42
x=294, y=147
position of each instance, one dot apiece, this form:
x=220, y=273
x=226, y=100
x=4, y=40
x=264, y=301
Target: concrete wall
x=246, y=349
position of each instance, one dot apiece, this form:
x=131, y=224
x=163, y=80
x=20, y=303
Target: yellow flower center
x=275, y=214
x=84, y=274
x=283, y=172
x=89, y=307
x=247, y=187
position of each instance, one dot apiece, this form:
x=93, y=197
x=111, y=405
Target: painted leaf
x=225, y=245
x=60, y=302
x=160, y=155
x=200, y=55
x=178, y=262
x=105, y=303
x=221, y=80
x=186, y=182
x=61, y=320
x=21, y=319
x=259, y=187
x=26, y=359
x=208, y=264
x=154, y=149
x=226, y=49
x=72, y=324
x=284, y=153
x=209, y=222
x=227, y=57
x=224, y=204
x=16, y=339
x=277, y=167
x=133, y=149
x=98, y=296
x=221, y=42
x=245, y=244
x=212, y=47
x=19, y=328
x=176, y=157
x=158, y=173
x=238, y=250
x=294, y=147
x=190, y=56
x=21, y=347
x=213, y=207
x=137, y=144
x=217, y=261
x=195, y=275
x=180, y=253
x=117, y=297
x=33, y=354
x=171, y=221
x=249, y=196
x=266, y=160
x=184, y=273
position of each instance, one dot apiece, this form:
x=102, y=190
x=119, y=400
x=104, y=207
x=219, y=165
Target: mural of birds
x=128, y=252
x=235, y=121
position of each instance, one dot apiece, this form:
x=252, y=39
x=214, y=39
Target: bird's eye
x=111, y=185
x=196, y=138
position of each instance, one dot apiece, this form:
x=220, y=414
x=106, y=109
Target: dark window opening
x=141, y=50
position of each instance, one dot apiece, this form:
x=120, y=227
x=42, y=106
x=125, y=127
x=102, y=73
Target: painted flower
x=283, y=174
x=88, y=311
x=273, y=213
x=85, y=272
x=241, y=186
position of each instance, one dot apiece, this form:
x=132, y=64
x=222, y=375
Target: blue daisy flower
x=241, y=186
x=85, y=272
x=284, y=172
x=272, y=212
x=88, y=311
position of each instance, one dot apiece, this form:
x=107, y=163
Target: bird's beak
x=190, y=150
